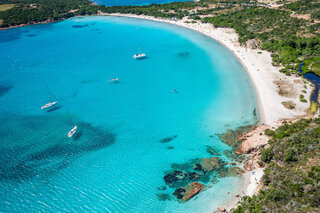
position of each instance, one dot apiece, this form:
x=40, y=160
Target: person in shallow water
x=175, y=91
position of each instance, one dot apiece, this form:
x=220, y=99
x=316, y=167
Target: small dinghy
x=72, y=131
x=48, y=105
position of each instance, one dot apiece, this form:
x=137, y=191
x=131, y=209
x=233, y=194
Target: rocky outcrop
x=221, y=209
x=209, y=164
x=182, y=177
x=230, y=172
x=193, y=189
x=231, y=137
x=252, y=140
x=185, y=193
x=175, y=177
x=212, y=151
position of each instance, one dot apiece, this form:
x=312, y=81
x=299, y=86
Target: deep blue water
x=134, y=2
x=116, y=161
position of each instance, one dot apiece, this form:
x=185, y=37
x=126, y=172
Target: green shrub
x=289, y=155
x=269, y=132
x=266, y=155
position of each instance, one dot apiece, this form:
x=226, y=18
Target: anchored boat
x=48, y=105
x=139, y=56
x=113, y=80
x=51, y=103
x=72, y=131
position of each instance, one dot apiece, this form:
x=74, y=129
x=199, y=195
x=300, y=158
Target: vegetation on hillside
x=291, y=40
x=33, y=11
x=292, y=170
x=305, y=7
x=4, y=7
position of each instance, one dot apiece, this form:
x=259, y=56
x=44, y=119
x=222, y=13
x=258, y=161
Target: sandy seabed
x=268, y=82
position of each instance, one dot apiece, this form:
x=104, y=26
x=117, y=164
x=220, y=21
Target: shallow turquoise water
x=116, y=162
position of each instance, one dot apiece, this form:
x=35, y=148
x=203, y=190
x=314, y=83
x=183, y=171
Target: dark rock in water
x=79, y=26
x=4, y=89
x=193, y=176
x=162, y=188
x=211, y=151
x=185, y=54
x=163, y=197
x=38, y=146
x=185, y=193
x=170, y=147
x=179, y=193
x=198, y=167
x=168, y=139
x=176, y=176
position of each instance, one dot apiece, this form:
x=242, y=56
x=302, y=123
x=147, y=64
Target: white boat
x=72, y=131
x=48, y=105
x=113, y=80
x=139, y=56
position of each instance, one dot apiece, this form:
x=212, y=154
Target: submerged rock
x=4, y=89
x=231, y=172
x=179, y=193
x=210, y=164
x=229, y=154
x=185, y=193
x=231, y=137
x=168, y=139
x=212, y=151
x=163, y=197
x=192, y=189
x=221, y=209
x=193, y=175
x=162, y=188
x=173, y=178
x=214, y=180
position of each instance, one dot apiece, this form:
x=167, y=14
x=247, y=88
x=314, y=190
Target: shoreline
x=258, y=67
x=262, y=75
x=267, y=83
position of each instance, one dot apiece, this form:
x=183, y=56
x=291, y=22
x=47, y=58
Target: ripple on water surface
x=131, y=134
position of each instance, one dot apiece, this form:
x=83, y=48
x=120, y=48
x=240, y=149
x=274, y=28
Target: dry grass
x=285, y=88
x=4, y=7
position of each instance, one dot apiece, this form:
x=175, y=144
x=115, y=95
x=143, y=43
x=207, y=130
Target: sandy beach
x=266, y=78
x=273, y=89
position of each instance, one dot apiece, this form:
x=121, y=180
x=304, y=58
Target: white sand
x=259, y=68
x=250, y=187
x=254, y=177
x=263, y=75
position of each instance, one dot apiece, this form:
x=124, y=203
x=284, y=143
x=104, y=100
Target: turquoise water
x=115, y=162
x=134, y=2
